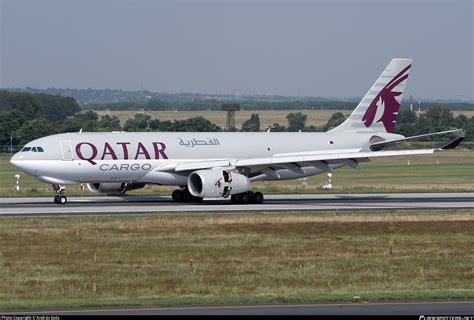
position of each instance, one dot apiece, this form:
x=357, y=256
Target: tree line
x=409, y=123
x=25, y=117
x=215, y=104
x=258, y=104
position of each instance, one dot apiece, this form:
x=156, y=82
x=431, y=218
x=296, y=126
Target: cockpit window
x=32, y=149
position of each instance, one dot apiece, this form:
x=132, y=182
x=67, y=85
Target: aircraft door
x=66, y=150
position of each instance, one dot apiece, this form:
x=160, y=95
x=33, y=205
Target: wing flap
x=316, y=153
x=309, y=160
x=294, y=161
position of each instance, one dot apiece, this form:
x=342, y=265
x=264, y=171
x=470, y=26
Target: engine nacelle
x=217, y=183
x=114, y=188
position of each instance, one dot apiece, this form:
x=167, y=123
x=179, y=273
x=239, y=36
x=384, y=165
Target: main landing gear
x=183, y=195
x=247, y=197
x=60, y=198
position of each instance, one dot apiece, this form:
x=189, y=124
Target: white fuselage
x=148, y=157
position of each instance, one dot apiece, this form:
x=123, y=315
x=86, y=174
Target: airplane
x=223, y=164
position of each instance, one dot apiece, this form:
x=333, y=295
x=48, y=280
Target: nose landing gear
x=60, y=198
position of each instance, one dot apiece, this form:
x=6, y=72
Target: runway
x=443, y=308
x=273, y=203
x=280, y=203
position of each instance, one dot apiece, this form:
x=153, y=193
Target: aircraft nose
x=16, y=161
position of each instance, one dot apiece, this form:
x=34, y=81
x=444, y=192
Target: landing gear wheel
x=187, y=197
x=183, y=195
x=258, y=197
x=56, y=199
x=235, y=198
x=245, y=198
x=62, y=199
x=177, y=195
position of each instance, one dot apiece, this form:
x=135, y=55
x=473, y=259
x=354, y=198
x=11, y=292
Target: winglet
x=453, y=144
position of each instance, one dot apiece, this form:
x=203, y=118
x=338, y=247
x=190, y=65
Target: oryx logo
x=384, y=107
x=218, y=183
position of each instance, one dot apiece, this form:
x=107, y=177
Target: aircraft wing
x=319, y=159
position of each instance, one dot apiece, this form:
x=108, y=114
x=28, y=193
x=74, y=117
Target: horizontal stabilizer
x=453, y=144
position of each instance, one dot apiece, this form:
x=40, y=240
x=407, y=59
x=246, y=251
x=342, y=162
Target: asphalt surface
x=296, y=202
x=427, y=308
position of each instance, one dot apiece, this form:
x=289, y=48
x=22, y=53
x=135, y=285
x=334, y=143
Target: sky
x=293, y=48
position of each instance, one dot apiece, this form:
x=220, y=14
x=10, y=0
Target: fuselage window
x=40, y=149
x=25, y=149
x=33, y=149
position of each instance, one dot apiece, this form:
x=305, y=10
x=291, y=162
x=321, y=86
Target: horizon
x=212, y=96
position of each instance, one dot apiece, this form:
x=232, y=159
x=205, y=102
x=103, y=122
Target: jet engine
x=216, y=183
x=114, y=188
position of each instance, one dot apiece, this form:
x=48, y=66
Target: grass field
x=251, y=258
x=454, y=172
x=267, y=117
